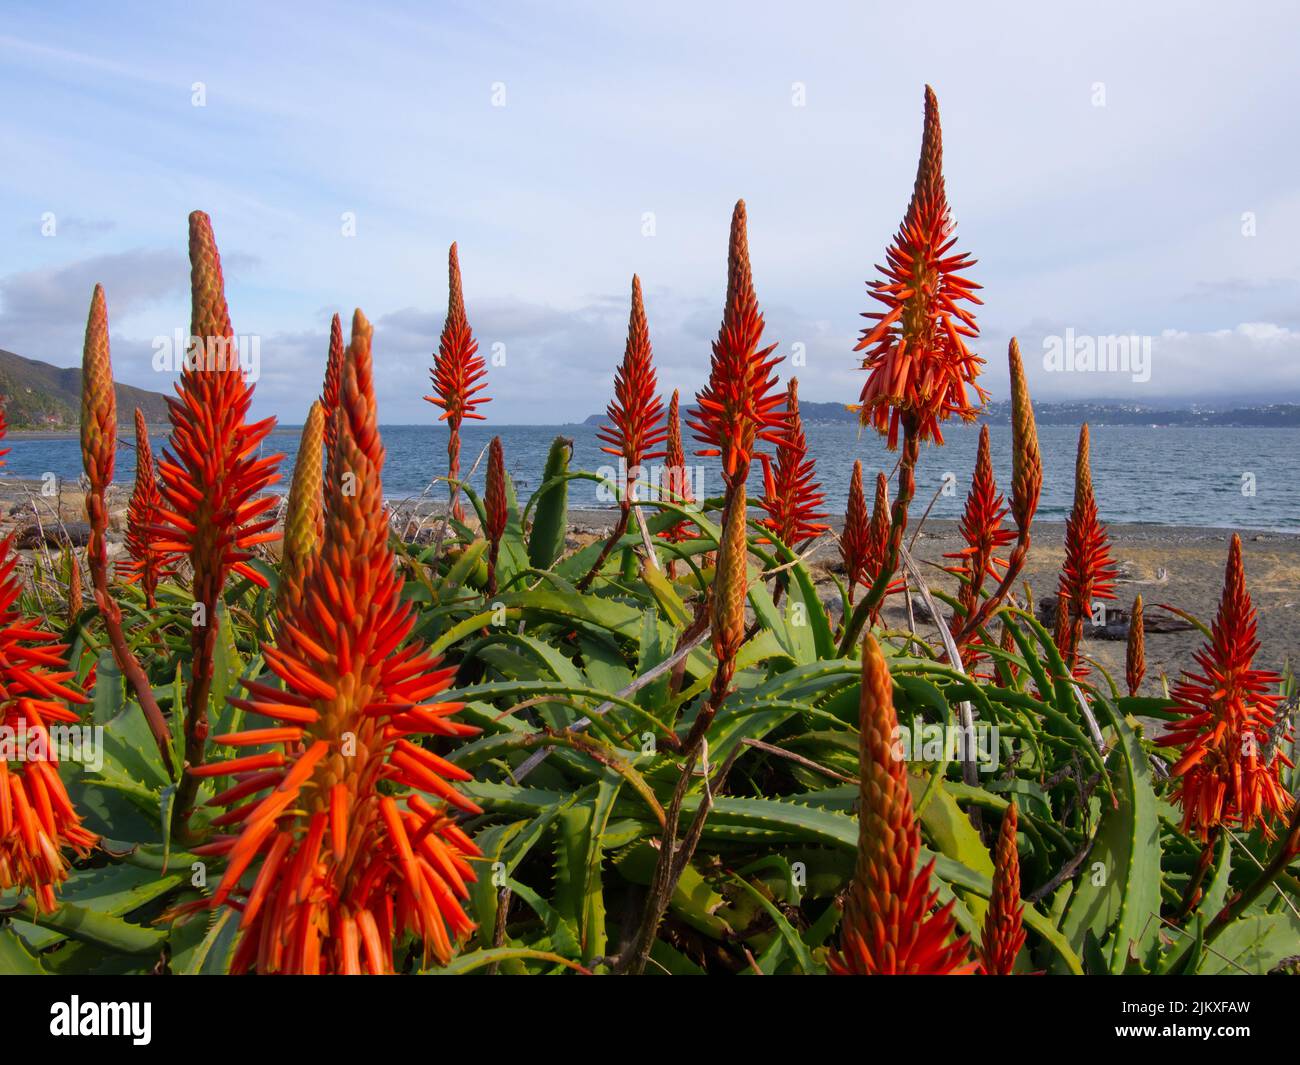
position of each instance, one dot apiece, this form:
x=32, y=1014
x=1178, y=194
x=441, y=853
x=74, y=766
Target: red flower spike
x=791, y=495
x=636, y=412
x=38, y=822
x=892, y=922
x=855, y=540
x=982, y=529
x=675, y=481
x=917, y=359
x=1088, y=573
x=343, y=853
x=738, y=408
x=864, y=543
x=1004, y=930
x=1229, y=735
x=458, y=374
x=146, y=563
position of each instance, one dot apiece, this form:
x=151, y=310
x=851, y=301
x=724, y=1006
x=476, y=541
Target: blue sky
x=1114, y=219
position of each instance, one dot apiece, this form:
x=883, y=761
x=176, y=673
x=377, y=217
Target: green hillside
x=40, y=396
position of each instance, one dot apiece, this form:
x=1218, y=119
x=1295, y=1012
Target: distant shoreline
x=69, y=434
x=284, y=427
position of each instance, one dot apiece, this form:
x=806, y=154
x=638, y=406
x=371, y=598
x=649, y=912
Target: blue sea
x=1226, y=477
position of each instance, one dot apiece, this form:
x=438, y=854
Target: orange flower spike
x=791, y=497
x=1026, y=461
x=1231, y=755
x=304, y=519
x=1004, y=931
x=676, y=482
x=636, y=412
x=343, y=870
x=731, y=583
x=458, y=374
x=147, y=565
x=98, y=454
x=892, y=924
x=1135, y=660
x=98, y=425
x=494, y=507
x=918, y=364
x=738, y=408
x=212, y=510
x=332, y=389
x=855, y=539
x=38, y=821
x=1088, y=573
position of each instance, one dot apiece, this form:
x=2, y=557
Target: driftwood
x=1116, y=624
x=55, y=534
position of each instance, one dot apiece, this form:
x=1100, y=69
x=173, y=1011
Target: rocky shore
x=1179, y=566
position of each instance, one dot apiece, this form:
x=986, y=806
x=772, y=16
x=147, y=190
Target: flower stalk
x=494, y=506
x=99, y=454
x=348, y=853
x=213, y=512
x=920, y=371
x=1026, y=486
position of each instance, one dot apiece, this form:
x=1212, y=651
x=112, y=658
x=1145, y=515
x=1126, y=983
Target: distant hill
x=40, y=396
x=1274, y=415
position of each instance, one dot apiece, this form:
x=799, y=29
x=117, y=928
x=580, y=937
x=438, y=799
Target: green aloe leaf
x=551, y=516
x=1253, y=945
x=1117, y=899
x=15, y=957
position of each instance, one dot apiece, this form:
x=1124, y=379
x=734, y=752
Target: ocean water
x=1227, y=477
